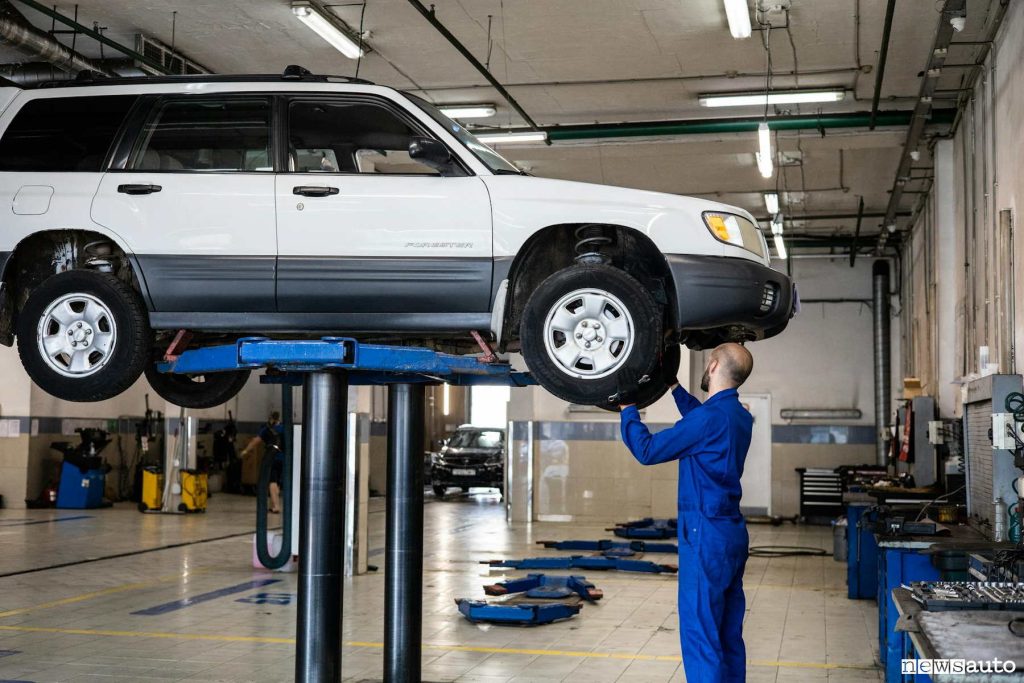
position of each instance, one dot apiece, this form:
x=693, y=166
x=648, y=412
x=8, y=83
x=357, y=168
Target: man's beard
x=705, y=381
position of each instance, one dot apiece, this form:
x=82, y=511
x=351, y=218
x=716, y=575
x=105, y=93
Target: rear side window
x=63, y=134
x=208, y=134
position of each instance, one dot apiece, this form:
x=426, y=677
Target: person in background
x=272, y=436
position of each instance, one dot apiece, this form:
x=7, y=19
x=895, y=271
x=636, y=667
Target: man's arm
x=685, y=402
x=667, y=445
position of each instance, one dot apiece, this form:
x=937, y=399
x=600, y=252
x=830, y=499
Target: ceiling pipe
x=883, y=53
x=97, y=36
x=728, y=125
x=430, y=16
x=856, y=232
x=19, y=34
x=929, y=83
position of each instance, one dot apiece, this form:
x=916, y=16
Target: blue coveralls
x=710, y=443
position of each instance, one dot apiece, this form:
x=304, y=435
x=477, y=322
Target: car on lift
x=156, y=214
x=472, y=457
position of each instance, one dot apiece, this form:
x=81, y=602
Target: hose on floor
x=786, y=551
x=262, y=491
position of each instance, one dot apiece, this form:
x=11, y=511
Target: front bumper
x=733, y=297
x=484, y=476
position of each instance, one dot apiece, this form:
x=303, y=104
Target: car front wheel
x=585, y=323
x=84, y=335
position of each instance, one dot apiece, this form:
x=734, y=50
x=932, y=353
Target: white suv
x=302, y=205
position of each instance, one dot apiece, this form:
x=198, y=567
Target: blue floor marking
x=8, y=653
x=27, y=522
x=205, y=597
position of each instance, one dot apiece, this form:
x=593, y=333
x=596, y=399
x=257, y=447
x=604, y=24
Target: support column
x=403, y=572
x=882, y=353
x=321, y=528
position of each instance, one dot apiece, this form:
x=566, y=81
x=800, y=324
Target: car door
x=194, y=199
x=364, y=229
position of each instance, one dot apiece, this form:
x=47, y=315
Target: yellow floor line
x=446, y=648
x=100, y=593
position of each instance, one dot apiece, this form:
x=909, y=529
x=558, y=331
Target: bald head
x=734, y=364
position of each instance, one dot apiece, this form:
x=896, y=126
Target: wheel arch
x=46, y=252
x=554, y=247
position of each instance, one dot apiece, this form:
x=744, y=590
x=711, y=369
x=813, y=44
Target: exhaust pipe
x=883, y=354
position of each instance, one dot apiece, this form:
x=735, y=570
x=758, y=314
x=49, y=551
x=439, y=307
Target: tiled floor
x=128, y=619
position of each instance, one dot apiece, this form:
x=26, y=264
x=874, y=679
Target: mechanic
x=710, y=443
x=271, y=435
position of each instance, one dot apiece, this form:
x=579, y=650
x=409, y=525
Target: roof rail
x=292, y=72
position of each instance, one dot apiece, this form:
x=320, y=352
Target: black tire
x=142, y=507
x=634, y=297
x=197, y=391
x=654, y=389
x=465, y=489
x=439, y=491
x=182, y=507
x=126, y=357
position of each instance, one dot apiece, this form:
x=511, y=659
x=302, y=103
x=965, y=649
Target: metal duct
x=882, y=353
x=32, y=73
x=15, y=32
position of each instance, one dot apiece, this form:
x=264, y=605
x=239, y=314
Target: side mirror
x=431, y=153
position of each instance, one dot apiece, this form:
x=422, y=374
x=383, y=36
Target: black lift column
x=403, y=570
x=321, y=527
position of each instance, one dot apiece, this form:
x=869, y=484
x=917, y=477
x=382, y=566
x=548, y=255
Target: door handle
x=314, y=190
x=141, y=188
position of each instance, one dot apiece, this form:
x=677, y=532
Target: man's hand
x=628, y=387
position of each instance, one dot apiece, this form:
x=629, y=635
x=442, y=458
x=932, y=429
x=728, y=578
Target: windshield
x=474, y=439
x=488, y=156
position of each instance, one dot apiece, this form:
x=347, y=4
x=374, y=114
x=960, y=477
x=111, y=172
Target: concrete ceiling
x=586, y=61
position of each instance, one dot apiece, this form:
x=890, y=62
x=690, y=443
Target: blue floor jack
x=533, y=600
x=596, y=562
x=610, y=548
x=646, y=528
x=325, y=368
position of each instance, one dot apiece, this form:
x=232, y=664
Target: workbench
x=974, y=635
x=901, y=561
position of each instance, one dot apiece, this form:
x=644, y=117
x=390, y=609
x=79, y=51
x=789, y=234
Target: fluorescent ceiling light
x=764, y=155
x=506, y=138
x=327, y=28
x=469, y=111
x=771, y=202
x=780, y=247
x=777, y=224
x=739, y=18
x=777, y=97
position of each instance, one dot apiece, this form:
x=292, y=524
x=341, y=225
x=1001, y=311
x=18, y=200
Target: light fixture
x=328, y=28
x=771, y=202
x=777, y=224
x=780, y=247
x=764, y=156
x=446, y=400
x=469, y=111
x=750, y=99
x=507, y=138
x=738, y=14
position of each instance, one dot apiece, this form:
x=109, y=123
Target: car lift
x=645, y=528
x=596, y=562
x=534, y=600
x=613, y=548
x=326, y=368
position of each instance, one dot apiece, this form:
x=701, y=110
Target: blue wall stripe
x=609, y=431
x=205, y=597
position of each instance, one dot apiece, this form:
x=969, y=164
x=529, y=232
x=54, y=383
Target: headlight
x=733, y=229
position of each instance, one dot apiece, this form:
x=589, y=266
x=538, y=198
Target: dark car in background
x=472, y=457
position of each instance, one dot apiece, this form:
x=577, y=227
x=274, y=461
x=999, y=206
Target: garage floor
x=199, y=612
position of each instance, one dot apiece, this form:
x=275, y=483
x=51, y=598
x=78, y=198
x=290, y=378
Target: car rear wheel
x=439, y=491
x=585, y=323
x=84, y=335
x=197, y=391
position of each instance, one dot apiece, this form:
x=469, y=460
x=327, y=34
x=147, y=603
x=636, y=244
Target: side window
x=213, y=135
x=339, y=136
x=63, y=133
